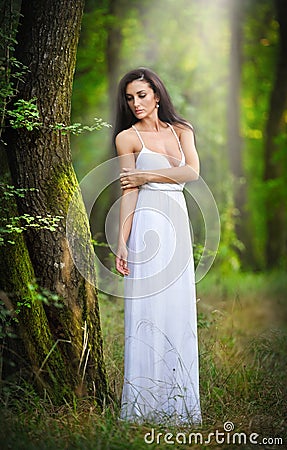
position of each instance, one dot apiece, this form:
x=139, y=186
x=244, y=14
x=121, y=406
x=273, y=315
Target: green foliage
x=19, y=224
x=37, y=294
x=6, y=319
x=198, y=257
x=25, y=114
x=97, y=243
x=8, y=191
x=22, y=223
x=78, y=128
x=203, y=321
x=12, y=70
x=197, y=253
x=90, y=83
x=260, y=49
x=227, y=257
x=9, y=317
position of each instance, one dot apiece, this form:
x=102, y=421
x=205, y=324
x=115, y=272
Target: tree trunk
x=41, y=159
x=234, y=140
x=275, y=156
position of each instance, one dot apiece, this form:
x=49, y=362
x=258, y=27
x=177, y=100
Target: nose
x=136, y=102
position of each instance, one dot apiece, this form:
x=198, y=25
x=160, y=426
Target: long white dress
x=161, y=381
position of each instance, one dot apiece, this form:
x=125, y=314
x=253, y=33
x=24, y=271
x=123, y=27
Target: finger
x=118, y=264
x=125, y=266
x=124, y=176
x=122, y=266
x=120, y=270
x=126, y=172
x=124, y=181
x=124, y=271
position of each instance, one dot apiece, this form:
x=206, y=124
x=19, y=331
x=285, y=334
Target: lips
x=138, y=111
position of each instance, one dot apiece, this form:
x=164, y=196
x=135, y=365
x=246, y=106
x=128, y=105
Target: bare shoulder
x=183, y=129
x=126, y=141
x=124, y=137
x=187, y=140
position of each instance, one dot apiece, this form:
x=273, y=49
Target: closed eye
x=131, y=98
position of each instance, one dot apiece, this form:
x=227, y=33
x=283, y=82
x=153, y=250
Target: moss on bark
x=16, y=274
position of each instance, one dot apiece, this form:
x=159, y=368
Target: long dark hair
x=166, y=112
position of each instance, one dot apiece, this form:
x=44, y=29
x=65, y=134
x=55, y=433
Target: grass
x=242, y=343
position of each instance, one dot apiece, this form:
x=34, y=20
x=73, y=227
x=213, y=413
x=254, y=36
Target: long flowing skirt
x=161, y=381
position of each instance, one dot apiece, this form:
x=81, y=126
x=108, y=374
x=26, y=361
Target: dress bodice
x=151, y=160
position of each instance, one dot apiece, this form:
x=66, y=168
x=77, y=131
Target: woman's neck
x=151, y=124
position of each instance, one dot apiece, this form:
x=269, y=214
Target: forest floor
x=242, y=324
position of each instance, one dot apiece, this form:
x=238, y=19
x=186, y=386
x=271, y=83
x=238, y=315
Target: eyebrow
x=138, y=92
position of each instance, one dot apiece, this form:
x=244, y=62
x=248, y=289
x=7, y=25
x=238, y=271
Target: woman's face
x=141, y=99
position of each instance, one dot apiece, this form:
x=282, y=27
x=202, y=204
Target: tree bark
x=41, y=159
x=275, y=157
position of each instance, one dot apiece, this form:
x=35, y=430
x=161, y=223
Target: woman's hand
x=121, y=261
x=132, y=178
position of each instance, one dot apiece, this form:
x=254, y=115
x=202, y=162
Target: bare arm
x=189, y=172
x=127, y=206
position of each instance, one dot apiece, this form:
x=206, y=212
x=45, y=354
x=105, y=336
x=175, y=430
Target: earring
x=157, y=105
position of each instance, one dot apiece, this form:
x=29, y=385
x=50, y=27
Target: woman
x=157, y=156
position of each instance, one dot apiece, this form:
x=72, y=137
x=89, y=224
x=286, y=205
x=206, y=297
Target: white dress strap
x=139, y=136
x=176, y=136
